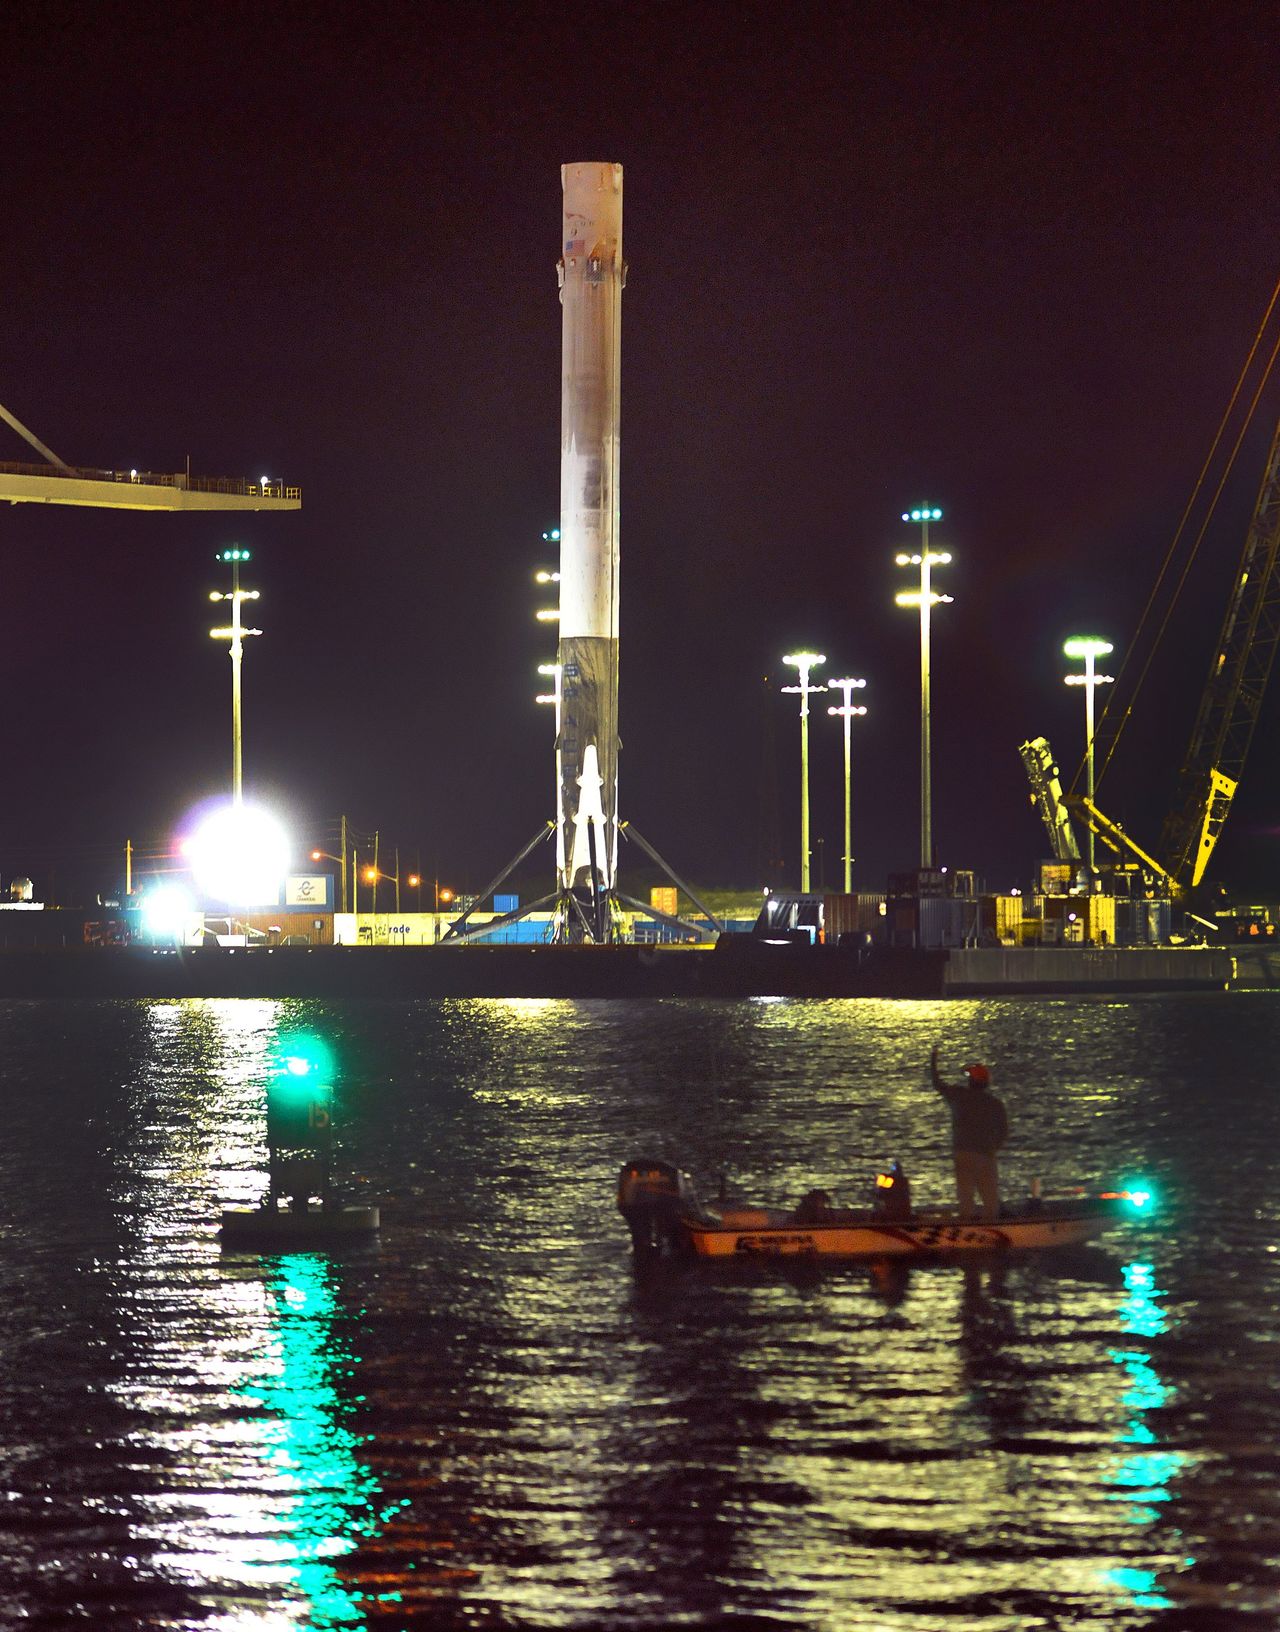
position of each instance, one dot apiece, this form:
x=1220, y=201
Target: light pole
x=804, y=662
x=848, y=709
x=926, y=598
x=551, y=614
x=325, y=855
x=1089, y=649
x=236, y=633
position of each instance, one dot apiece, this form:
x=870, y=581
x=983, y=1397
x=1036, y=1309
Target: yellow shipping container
x=1002, y=919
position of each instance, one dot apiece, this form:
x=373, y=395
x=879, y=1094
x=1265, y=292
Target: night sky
x=1006, y=259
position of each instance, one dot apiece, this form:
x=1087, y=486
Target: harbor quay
x=738, y=966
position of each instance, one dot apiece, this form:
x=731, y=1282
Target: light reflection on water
x=306, y=1445
x=489, y=1420
x=1142, y=1478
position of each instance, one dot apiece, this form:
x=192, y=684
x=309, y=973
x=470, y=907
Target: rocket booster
x=592, y=275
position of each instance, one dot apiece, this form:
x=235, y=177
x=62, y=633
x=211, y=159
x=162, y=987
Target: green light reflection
x=1140, y=1585
x=308, y=1444
x=1143, y=1477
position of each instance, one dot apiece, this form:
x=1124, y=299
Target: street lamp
x=236, y=633
x=804, y=662
x=926, y=598
x=1088, y=648
x=848, y=709
x=375, y=876
x=324, y=855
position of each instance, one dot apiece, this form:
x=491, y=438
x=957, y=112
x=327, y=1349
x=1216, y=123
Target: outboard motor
x=652, y=1196
x=892, y=1200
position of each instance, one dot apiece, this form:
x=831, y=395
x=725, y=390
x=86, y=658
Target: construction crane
x=56, y=482
x=1229, y=707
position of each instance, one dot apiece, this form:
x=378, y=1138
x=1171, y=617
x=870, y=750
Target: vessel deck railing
x=147, y=478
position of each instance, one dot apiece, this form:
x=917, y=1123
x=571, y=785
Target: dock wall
x=980, y=970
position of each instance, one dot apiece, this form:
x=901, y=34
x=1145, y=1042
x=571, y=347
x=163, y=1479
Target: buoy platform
x=259, y=1229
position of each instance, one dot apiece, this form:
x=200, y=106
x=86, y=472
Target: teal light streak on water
x=310, y=1443
x=1139, y=1586
x=1143, y=1478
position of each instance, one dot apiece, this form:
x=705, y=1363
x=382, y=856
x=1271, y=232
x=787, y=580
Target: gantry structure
x=56, y=482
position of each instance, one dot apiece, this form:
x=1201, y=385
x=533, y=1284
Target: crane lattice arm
x=1233, y=693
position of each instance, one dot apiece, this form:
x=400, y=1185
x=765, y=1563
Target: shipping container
x=948, y=921
x=1001, y=919
x=1083, y=920
x=1143, y=922
x=858, y=915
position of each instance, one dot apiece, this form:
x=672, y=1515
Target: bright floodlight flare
x=166, y=911
x=240, y=855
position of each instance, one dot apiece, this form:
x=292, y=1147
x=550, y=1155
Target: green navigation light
x=300, y=1095
x=305, y=1055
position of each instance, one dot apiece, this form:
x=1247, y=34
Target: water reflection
x=187, y=1441
x=1142, y=1476
x=247, y=1377
x=312, y=1454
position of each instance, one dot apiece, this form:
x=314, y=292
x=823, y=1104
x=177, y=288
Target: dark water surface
x=488, y=1421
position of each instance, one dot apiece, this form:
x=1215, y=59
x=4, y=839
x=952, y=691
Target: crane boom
x=140, y=490
x=1232, y=699
x=1046, y=795
x=56, y=482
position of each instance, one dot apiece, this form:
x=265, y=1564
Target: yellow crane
x=56, y=482
x=1239, y=669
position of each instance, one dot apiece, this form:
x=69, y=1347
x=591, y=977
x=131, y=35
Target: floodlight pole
x=848, y=709
x=926, y=598
x=1089, y=650
x=237, y=659
x=804, y=662
x=236, y=634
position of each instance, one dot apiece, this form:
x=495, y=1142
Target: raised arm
x=946, y=1089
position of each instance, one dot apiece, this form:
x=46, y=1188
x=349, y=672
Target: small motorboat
x=665, y=1215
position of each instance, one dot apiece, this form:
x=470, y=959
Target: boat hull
x=917, y=1238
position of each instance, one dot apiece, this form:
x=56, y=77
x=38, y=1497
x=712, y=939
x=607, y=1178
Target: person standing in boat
x=979, y=1127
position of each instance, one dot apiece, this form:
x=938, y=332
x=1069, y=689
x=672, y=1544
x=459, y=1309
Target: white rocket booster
x=592, y=275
